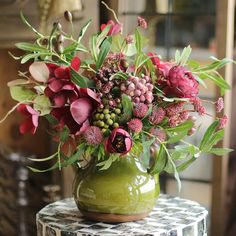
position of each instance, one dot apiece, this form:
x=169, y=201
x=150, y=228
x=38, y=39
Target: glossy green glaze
x=125, y=188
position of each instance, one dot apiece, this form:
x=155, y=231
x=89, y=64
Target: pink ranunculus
x=163, y=67
x=115, y=27
x=30, y=124
x=119, y=141
x=181, y=83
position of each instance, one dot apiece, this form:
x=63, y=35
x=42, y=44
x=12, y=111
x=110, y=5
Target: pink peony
x=119, y=141
x=93, y=135
x=30, y=124
x=115, y=27
x=181, y=83
x=135, y=125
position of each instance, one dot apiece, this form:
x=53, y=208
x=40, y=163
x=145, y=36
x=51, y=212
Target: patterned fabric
x=172, y=216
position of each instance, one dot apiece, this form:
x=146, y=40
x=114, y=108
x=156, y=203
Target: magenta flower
x=162, y=67
x=115, y=27
x=119, y=141
x=157, y=115
x=142, y=22
x=60, y=89
x=181, y=83
x=223, y=121
x=76, y=115
x=219, y=104
x=30, y=124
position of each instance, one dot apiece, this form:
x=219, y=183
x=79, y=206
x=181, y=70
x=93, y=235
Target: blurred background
x=208, y=26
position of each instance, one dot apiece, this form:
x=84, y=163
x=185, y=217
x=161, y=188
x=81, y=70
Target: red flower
x=163, y=67
x=76, y=116
x=115, y=27
x=60, y=89
x=119, y=141
x=30, y=124
x=181, y=83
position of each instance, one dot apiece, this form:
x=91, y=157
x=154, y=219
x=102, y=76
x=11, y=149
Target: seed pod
x=60, y=48
x=60, y=39
x=68, y=16
x=57, y=25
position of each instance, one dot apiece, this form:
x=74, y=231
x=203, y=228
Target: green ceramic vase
x=123, y=192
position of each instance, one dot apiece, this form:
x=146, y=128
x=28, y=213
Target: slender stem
x=113, y=12
x=59, y=156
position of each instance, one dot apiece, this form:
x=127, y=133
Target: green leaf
x=105, y=48
x=93, y=47
x=217, y=79
x=119, y=75
x=182, y=127
x=220, y=151
x=81, y=80
x=127, y=106
x=42, y=104
x=83, y=30
x=107, y=163
x=29, y=25
x=185, y=164
x=43, y=159
x=208, y=135
x=183, y=58
x=174, y=138
x=215, y=138
x=138, y=41
x=64, y=134
x=177, y=56
x=30, y=47
x=32, y=56
x=22, y=94
x=160, y=160
x=102, y=35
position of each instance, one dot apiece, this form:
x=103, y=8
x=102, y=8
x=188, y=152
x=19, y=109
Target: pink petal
x=35, y=120
x=75, y=63
x=27, y=126
x=86, y=92
x=59, y=100
x=55, y=85
x=62, y=72
x=81, y=109
x=116, y=29
x=26, y=110
x=39, y=71
x=84, y=126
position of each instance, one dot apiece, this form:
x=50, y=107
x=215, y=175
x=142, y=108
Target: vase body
x=123, y=192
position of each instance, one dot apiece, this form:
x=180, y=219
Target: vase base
x=112, y=218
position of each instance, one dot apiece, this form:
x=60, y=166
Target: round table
x=172, y=216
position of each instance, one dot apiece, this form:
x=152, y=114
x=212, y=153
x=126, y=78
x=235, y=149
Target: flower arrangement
x=121, y=100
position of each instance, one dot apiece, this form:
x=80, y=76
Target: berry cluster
x=107, y=118
x=138, y=89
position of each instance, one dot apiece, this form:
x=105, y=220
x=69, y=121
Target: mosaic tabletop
x=172, y=216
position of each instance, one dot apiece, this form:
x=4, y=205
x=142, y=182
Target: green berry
x=100, y=109
x=101, y=123
x=116, y=125
x=107, y=116
x=106, y=126
x=106, y=111
x=113, y=115
x=119, y=105
x=104, y=130
x=117, y=111
x=109, y=122
x=101, y=116
x=97, y=116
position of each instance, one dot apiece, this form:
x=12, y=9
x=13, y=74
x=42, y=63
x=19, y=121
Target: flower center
x=119, y=143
